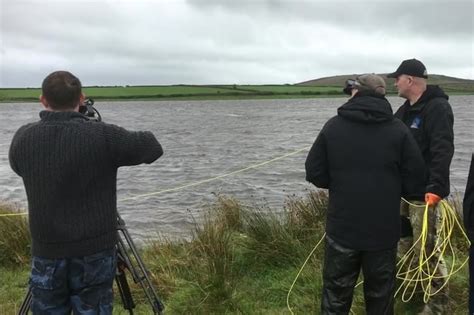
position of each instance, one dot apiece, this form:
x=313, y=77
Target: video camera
x=87, y=109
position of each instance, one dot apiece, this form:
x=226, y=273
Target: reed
x=15, y=240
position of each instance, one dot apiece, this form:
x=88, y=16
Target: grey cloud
x=163, y=42
x=432, y=18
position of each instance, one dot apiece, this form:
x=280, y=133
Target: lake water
x=204, y=139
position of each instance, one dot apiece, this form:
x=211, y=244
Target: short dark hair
x=62, y=90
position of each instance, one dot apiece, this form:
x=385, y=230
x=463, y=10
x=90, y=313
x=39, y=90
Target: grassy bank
x=323, y=87
x=184, y=92
x=240, y=259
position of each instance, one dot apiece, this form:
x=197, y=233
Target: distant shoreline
x=214, y=92
x=184, y=92
x=210, y=98
x=190, y=98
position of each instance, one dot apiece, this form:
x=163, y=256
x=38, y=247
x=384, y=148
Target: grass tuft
x=15, y=240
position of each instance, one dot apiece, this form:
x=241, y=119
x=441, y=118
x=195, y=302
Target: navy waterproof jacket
x=368, y=160
x=430, y=121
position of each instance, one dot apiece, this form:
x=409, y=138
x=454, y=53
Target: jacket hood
x=432, y=91
x=367, y=108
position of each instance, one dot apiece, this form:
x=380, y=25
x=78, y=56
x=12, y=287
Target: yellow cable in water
x=217, y=177
x=195, y=183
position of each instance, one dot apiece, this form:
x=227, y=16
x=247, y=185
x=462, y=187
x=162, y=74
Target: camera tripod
x=129, y=260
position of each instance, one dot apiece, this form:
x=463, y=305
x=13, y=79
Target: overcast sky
x=110, y=42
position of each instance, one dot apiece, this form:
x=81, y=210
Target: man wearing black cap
x=367, y=160
x=430, y=118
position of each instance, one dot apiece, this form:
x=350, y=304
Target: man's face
x=403, y=84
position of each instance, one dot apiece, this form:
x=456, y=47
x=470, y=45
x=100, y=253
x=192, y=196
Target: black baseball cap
x=411, y=67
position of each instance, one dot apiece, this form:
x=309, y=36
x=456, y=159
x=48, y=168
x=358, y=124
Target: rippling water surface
x=202, y=139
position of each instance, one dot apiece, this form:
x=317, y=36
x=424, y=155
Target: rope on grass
x=299, y=273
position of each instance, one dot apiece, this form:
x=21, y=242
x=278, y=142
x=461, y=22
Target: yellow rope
x=216, y=177
x=13, y=214
x=299, y=273
x=421, y=274
x=195, y=183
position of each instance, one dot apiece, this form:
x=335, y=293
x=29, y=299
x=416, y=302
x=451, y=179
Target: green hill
x=449, y=84
x=323, y=87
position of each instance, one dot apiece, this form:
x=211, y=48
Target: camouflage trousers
x=438, y=303
x=82, y=285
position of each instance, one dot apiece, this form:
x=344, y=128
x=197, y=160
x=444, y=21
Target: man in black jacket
x=430, y=118
x=468, y=205
x=368, y=160
x=69, y=168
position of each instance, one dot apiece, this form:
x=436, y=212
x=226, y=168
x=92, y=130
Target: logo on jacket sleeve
x=416, y=123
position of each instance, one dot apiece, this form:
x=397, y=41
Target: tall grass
x=242, y=259
x=14, y=237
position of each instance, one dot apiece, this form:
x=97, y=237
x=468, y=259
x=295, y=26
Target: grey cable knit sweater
x=69, y=169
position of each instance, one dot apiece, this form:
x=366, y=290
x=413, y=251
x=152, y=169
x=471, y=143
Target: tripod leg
x=139, y=272
x=122, y=284
x=25, y=306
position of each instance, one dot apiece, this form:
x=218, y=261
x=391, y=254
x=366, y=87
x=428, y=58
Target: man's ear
x=81, y=101
x=44, y=102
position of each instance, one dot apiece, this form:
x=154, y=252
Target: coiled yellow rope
x=420, y=274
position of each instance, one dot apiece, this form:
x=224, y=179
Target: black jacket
x=69, y=168
x=430, y=120
x=368, y=160
x=468, y=203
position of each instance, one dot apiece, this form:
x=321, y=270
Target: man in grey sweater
x=69, y=168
